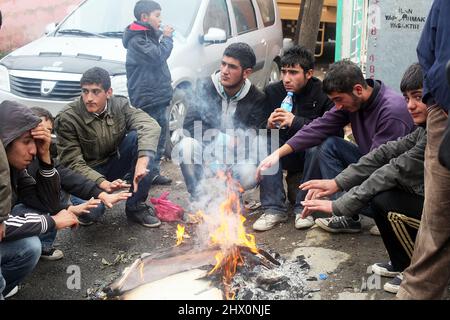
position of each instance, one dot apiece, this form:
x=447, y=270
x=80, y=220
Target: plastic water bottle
x=161, y=28
x=286, y=105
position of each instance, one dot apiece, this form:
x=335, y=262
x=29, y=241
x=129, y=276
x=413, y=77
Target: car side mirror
x=214, y=35
x=50, y=28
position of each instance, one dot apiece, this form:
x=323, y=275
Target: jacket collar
x=89, y=117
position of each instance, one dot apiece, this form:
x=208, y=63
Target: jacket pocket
x=89, y=148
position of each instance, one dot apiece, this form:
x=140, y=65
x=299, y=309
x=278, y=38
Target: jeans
x=159, y=113
x=17, y=259
x=116, y=168
x=272, y=195
x=193, y=170
x=125, y=162
x=47, y=239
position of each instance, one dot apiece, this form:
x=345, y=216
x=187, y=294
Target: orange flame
x=180, y=234
x=227, y=232
x=229, y=235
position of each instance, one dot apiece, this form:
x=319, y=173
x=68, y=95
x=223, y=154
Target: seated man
x=101, y=137
x=222, y=106
x=376, y=113
x=309, y=102
x=25, y=138
x=71, y=183
x=390, y=179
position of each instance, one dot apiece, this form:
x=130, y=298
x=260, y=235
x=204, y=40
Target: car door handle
x=264, y=42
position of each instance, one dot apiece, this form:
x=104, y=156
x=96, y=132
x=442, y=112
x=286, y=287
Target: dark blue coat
x=148, y=77
x=433, y=52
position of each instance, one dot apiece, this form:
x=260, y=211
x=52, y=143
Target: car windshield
x=109, y=18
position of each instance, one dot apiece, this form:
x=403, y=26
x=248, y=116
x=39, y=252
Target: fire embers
x=284, y=282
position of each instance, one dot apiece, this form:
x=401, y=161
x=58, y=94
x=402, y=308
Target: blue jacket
x=148, y=77
x=433, y=52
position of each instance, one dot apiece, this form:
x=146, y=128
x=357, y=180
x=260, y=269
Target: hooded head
x=15, y=120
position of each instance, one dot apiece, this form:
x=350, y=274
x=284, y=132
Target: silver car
x=46, y=72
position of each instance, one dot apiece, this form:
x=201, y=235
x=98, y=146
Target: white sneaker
x=305, y=223
x=268, y=220
x=12, y=292
x=374, y=231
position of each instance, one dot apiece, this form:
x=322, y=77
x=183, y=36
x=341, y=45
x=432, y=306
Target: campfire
x=225, y=248
x=227, y=233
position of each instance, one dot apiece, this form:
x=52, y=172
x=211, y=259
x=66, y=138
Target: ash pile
x=288, y=281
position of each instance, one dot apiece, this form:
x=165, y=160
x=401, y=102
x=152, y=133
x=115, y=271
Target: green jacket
x=5, y=185
x=85, y=140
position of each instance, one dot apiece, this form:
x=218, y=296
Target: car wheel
x=274, y=75
x=177, y=113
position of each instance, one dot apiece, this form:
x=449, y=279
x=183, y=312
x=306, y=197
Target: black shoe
x=393, y=285
x=339, y=224
x=143, y=214
x=385, y=269
x=161, y=180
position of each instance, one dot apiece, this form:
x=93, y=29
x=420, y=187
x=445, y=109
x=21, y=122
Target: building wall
x=25, y=20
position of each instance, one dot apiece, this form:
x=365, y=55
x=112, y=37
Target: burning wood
x=229, y=246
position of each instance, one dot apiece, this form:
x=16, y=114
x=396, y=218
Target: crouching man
x=102, y=137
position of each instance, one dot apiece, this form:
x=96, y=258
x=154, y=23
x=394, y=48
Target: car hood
x=69, y=54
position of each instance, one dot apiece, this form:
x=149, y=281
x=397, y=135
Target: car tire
x=177, y=113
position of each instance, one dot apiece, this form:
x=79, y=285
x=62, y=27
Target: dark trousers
x=159, y=113
x=397, y=214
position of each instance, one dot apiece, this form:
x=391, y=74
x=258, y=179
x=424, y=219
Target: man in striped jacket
x=23, y=139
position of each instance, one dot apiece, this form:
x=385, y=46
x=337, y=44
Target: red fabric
x=166, y=210
x=137, y=27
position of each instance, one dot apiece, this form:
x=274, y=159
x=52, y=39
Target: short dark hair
x=342, y=77
x=41, y=112
x=145, y=6
x=298, y=55
x=96, y=75
x=242, y=52
x=412, y=78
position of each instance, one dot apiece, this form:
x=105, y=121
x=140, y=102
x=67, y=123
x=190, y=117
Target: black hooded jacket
x=148, y=77
x=309, y=104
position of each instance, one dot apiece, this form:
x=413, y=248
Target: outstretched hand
x=319, y=188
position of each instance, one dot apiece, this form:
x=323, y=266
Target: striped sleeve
x=27, y=225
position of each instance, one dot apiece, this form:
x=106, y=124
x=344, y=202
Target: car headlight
x=119, y=85
x=4, y=79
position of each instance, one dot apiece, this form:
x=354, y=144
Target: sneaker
x=161, y=180
x=269, y=220
x=374, y=231
x=339, y=224
x=51, y=254
x=144, y=215
x=305, y=223
x=393, y=285
x=384, y=269
x=84, y=221
x=12, y=292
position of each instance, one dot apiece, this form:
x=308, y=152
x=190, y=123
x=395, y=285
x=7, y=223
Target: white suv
x=46, y=72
